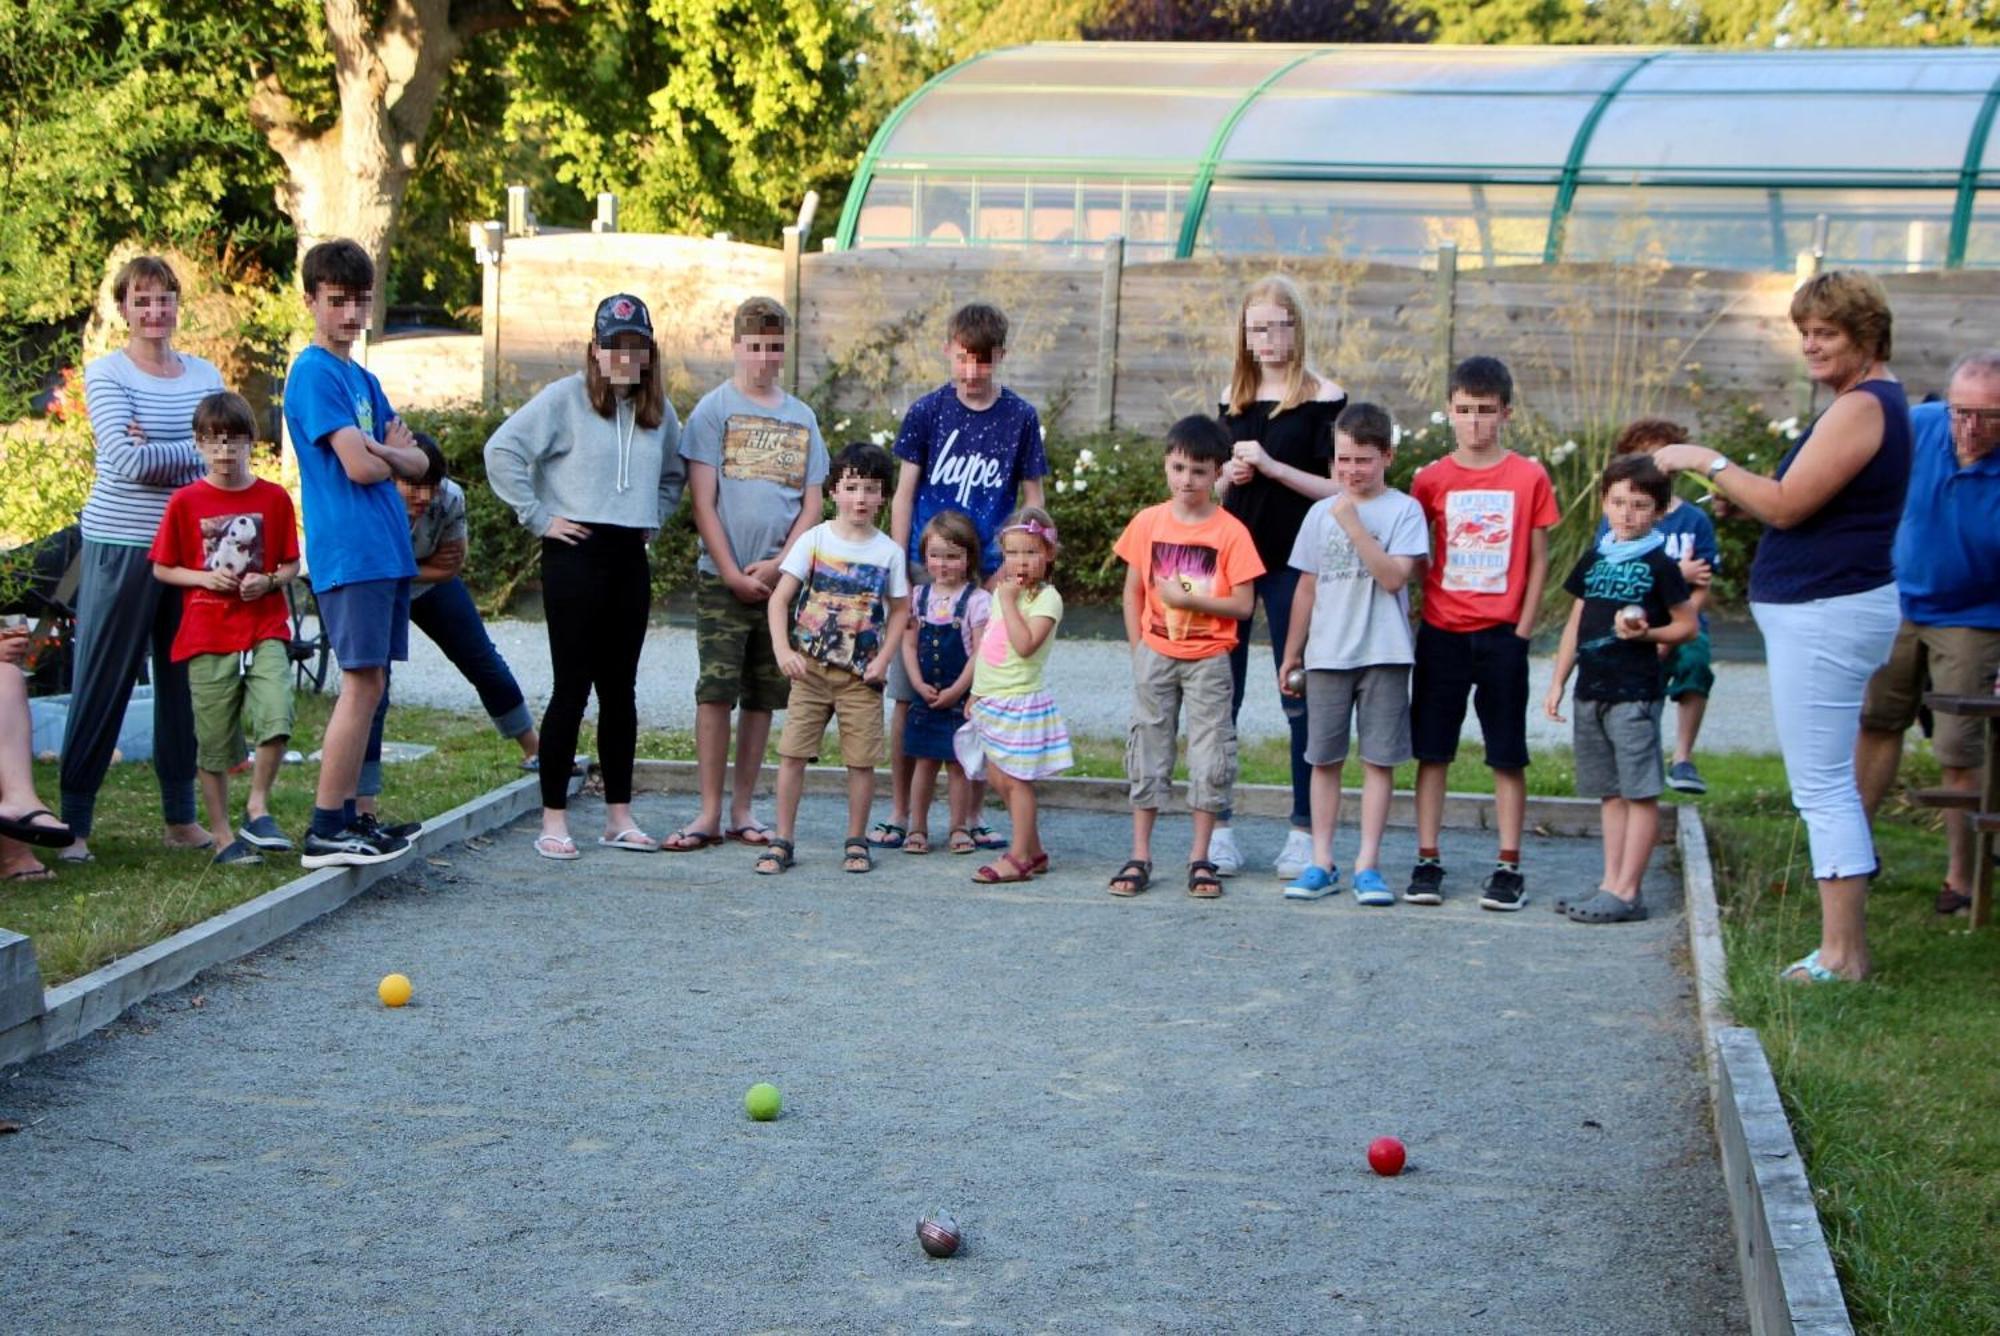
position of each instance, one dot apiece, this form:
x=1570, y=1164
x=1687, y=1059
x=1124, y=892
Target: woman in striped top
x=141, y=400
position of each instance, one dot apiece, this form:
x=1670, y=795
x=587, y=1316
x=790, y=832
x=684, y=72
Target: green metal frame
x=857, y=190
x=1572, y=174
x=1579, y=144
x=1968, y=179
x=1205, y=174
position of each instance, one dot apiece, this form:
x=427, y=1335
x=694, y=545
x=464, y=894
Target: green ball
x=762, y=1101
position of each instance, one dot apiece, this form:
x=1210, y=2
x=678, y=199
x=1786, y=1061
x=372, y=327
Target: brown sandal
x=917, y=842
x=1134, y=877
x=1203, y=883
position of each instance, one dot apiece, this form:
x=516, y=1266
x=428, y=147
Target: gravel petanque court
x=1147, y=1115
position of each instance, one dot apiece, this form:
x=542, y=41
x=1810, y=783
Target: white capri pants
x=1820, y=656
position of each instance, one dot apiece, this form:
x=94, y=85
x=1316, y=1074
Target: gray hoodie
x=556, y=457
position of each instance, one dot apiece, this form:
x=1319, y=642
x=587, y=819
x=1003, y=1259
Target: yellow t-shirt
x=996, y=669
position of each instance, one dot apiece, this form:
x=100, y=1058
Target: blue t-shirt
x=1843, y=547
x=1689, y=533
x=972, y=462
x=1948, y=550
x=353, y=533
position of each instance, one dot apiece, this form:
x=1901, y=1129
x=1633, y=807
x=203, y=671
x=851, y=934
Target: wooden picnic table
x=1982, y=808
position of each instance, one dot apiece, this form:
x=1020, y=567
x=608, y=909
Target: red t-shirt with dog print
x=207, y=528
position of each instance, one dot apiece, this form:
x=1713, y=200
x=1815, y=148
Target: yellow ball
x=394, y=990
x=762, y=1102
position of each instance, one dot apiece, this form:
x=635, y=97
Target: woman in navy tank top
x=1823, y=589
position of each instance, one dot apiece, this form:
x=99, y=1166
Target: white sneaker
x=1222, y=852
x=1296, y=856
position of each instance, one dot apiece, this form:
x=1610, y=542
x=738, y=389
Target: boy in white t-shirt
x=1350, y=632
x=851, y=586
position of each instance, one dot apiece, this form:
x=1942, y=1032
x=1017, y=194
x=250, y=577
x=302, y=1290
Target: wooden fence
x=1096, y=342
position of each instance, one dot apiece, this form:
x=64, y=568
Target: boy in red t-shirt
x=1489, y=512
x=231, y=540
x=1189, y=568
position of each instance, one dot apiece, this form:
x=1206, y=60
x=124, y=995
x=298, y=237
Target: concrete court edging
x=1462, y=811
x=1789, y=1281
x=74, y=1009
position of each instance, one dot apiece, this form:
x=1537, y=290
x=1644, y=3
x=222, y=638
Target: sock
x=1510, y=860
x=1430, y=855
x=348, y=812
x=327, y=822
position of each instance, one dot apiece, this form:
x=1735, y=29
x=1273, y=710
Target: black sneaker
x=353, y=847
x=402, y=830
x=1505, y=891
x=1426, y=885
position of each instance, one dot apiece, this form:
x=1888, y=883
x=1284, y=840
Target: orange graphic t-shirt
x=1211, y=558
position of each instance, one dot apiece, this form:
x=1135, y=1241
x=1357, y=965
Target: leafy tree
x=1782, y=23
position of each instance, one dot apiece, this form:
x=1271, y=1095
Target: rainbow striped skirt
x=1023, y=735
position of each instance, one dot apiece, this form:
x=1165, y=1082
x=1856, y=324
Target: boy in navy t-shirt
x=1689, y=535
x=1630, y=601
x=975, y=447
x=350, y=446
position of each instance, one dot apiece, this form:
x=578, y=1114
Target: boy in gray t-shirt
x=1350, y=634
x=756, y=470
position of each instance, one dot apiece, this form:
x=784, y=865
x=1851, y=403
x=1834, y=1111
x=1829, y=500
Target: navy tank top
x=1843, y=548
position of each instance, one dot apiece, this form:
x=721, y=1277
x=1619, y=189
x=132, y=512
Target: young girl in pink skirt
x=1020, y=733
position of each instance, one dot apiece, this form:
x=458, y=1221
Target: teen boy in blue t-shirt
x=973, y=446
x=350, y=446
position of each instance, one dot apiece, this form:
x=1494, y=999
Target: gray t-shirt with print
x=1355, y=622
x=764, y=459
x=443, y=521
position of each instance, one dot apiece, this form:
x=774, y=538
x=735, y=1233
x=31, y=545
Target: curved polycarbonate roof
x=1198, y=117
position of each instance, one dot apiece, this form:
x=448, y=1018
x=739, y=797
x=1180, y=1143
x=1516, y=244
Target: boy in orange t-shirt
x=1489, y=511
x=1189, y=565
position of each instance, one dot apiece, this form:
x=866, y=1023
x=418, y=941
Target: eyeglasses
x=1983, y=419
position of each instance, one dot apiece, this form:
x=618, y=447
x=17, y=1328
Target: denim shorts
x=368, y=623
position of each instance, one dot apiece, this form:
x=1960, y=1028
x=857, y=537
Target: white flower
x=1061, y=486
x=1774, y=426
x=880, y=437
x=1395, y=434
x=840, y=425
x=1079, y=484
x=1437, y=419
x=1085, y=458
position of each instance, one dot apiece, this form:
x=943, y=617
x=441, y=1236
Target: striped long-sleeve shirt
x=135, y=478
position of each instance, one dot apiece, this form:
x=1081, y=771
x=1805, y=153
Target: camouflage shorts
x=733, y=641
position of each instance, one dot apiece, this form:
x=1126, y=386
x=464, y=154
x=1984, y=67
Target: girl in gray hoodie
x=592, y=465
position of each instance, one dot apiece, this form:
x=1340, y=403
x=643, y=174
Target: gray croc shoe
x=1604, y=907
x=1568, y=898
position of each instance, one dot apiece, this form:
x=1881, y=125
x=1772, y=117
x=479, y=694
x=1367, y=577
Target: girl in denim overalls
x=947, y=615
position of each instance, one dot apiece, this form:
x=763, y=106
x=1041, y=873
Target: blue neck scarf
x=1631, y=549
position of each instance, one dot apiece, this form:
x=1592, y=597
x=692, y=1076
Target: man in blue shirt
x=1948, y=575
x=350, y=444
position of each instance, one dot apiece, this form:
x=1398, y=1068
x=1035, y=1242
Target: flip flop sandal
x=1203, y=882
x=991, y=875
x=685, y=841
x=632, y=840
x=985, y=837
x=1807, y=969
x=775, y=857
x=24, y=829
x=31, y=874
x=857, y=851
x=917, y=842
x=887, y=835
x=756, y=834
x=85, y=857
x=558, y=848
x=1950, y=902
x=961, y=841
x=1133, y=878
x=1604, y=907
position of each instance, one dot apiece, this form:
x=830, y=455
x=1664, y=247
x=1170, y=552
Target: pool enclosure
x=1520, y=155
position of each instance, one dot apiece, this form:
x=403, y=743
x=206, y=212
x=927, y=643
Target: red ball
x=1386, y=1156
x=939, y=1235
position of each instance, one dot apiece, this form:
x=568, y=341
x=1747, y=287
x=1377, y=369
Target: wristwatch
x=1716, y=466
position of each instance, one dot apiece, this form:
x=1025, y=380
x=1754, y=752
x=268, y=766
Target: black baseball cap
x=622, y=313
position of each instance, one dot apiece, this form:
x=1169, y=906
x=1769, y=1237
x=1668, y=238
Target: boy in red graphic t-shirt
x=1489, y=512
x=231, y=541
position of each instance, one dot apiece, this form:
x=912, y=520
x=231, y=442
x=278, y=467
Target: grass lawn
x=1892, y=1087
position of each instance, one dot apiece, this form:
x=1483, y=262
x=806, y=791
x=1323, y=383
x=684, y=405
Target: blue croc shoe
x=1370, y=889
x=263, y=832
x=1314, y=883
